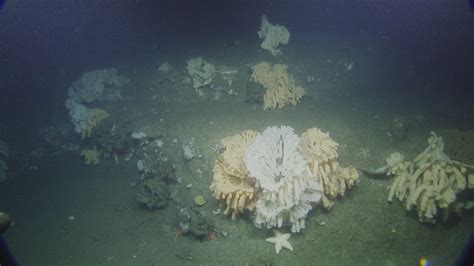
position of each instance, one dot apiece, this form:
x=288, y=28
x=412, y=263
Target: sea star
x=280, y=240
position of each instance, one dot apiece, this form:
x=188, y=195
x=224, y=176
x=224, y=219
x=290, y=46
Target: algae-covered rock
x=153, y=193
x=196, y=223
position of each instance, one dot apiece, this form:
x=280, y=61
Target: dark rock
x=399, y=128
x=254, y=92
x=196, y=223
x=153, y=193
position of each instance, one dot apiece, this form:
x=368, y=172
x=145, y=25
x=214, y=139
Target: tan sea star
x=280, y=240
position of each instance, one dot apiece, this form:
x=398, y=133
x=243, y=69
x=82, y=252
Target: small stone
x=140, y=165
x=322, y=223
x=138, y=135
x=159, y=143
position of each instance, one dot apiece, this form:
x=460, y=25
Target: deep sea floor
x=69, y=213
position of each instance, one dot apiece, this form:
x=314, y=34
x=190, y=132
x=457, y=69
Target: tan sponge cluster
x=281, y=89
x=234, y=187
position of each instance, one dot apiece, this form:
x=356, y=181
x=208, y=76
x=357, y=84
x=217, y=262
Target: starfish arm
x=278, y=247
x=272, y=240
x=287, y=245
